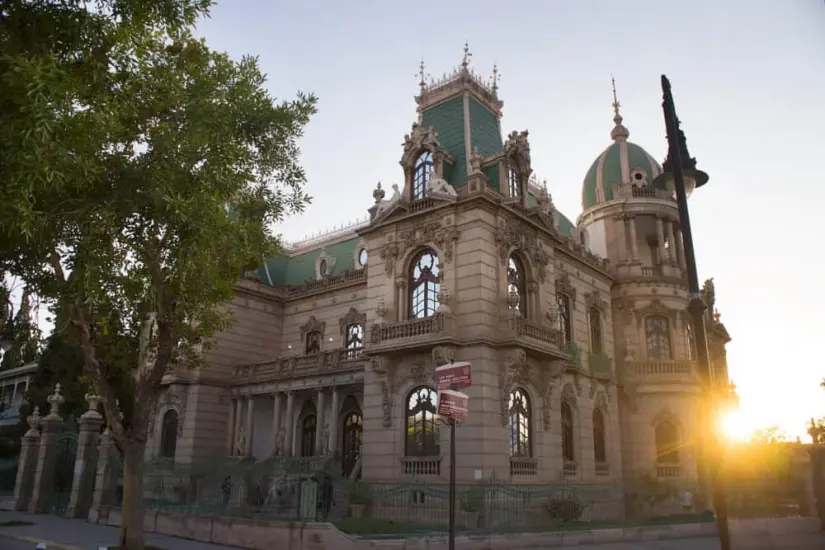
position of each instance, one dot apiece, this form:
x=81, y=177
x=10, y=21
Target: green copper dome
x=621, y=162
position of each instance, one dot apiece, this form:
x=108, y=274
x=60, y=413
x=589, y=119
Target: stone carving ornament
x=551, y=376
x=569, y=395
x=565, y=286
x=386, y=371
x=513, y=370
x=419, y=139
x=313, y=325
x=656, y=307
x=352, y=317
x=389, y=255
x=594, y=299
x=507, y=237
x=517, y=148
x=174, y=398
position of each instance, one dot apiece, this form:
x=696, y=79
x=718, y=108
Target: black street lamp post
x=677, y=164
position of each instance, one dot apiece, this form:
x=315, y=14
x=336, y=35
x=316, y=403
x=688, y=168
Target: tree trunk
x=131, y=528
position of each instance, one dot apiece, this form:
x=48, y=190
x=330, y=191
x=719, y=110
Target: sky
x=748, y=79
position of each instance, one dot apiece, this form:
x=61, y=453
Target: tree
x=141, y=173
x=816, y=429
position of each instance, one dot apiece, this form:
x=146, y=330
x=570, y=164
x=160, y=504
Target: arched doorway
x=353, y=436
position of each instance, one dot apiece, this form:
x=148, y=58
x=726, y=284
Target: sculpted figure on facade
x=439, y=188
x=513, y=369
x=280, y=441
x=389, y=255
x=507, y=237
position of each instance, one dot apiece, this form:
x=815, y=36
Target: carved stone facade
x=263, y=392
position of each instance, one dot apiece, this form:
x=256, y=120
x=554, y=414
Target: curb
x=49, y=544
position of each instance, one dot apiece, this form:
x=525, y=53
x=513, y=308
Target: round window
x=638, y=176
x=362, y=257
x=322, y=268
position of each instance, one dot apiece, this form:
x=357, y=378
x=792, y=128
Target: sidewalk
x=77, y=534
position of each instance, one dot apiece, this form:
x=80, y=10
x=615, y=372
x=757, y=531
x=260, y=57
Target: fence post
x=83, y=481
x=43, y=476
x=29, y=447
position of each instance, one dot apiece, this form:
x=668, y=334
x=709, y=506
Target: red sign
x=453, y=376
x=453, y=404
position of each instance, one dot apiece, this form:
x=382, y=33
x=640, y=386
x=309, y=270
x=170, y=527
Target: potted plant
x=359, y=498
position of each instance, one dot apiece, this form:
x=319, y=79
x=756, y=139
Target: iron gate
x=60, y=490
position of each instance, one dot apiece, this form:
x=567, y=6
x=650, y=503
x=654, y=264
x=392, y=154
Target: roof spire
x=496, y=78
x=421, y=82
x=619, y=132
x=465, y=61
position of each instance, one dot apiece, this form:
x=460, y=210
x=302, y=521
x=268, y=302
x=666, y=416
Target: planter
x=356, y=511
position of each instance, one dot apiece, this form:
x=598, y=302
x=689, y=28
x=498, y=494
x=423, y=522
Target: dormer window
x=421, y=175
x=514, y=182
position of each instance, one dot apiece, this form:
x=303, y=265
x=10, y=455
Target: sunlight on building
x=737, y=426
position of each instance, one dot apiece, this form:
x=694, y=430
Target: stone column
x=43, y=476
x=237, y=429
x=250, y=421
x=319, y=427
x=230, y=428
x=671, y=240
x=680, y=247
x=276, y=422
x=634, y=245
x=29, y=446
x=84, y=469
x=290, y=424
x=660, y=238
x=105, y=479
x=333, y=423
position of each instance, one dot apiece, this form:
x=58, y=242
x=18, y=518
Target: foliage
x=18, y=328
x=645, y=492
x=816, y=429
x=140, y=172
x=565, y=506
x=769, y=436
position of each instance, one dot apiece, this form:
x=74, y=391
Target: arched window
x=353, y=437
x=563, y=304
x=520, y=424
x=421, y=175
x=667, y=443
x=514, y=182
x=516, y=285
x=313, y=343
x=422, y=423
x=691, y=340
x=599, y=436
x=355, y=340
x=308, y=429
x=169, y=434
x=568, y=452
x=424, y=285
x=657, y=335
x=596, y=338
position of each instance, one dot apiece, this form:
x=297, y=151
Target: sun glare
x=736, y=426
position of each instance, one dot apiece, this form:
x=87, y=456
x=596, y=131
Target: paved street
x=805, y=541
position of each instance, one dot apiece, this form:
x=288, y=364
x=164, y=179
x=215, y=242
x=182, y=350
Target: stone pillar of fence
x=85, y=465
x=105, y=479
x=27, y=466
x=818, y=480
x=44, y=472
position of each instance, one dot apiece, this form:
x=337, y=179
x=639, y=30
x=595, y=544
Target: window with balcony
x=421, y=175
x=568, y=440
x=424, y=285
x=599, y=437
x=313, y=342
x=563, y=305
x=169, y=434
x=355, y=340
x=596, y=336
x=520, y=424
x=421, y=429
x=657, y=336
x=667, y=443
x=516, y=286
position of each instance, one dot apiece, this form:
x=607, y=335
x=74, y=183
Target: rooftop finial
x=421, y=82
x=496, y=78
x=619, y=132
x=465, y=62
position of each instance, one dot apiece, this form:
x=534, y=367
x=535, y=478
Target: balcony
x=570, y=469
x=521, y=466
x=335, y=360
x=630, y=191
x=658, y=370
x=412, y=332
x=602, y=469
x=526, y=331
x=421, y=466
x=668, y=471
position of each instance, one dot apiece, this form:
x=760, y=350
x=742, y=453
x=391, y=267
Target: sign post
x=453, y=405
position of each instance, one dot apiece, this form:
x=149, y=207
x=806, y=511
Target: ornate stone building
x=578, y=334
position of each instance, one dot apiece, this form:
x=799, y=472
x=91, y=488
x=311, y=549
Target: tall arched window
x=596, y=338
x=563, y=304
x=422, y=423
x=169, y=434
x=599, y=436
x=514, y=182
x=421, y=175
x=520, y=424
x=353, y=437
x=568, y=452
x=667, y=443
x=308, y=428
x=516, y=285
x=424, y=285
x=657, y=335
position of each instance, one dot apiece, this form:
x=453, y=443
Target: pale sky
x=748, y=78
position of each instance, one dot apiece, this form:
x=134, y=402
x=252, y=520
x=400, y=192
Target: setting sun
x=737, y=426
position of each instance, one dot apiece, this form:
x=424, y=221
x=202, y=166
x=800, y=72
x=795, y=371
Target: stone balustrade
x=412, y=328
x=659, y=369
x=630, y=191
x=523, y=466
x=339, y=359
x=537, y=331
x=668, y=471
x=421, y=465
x=350, y=276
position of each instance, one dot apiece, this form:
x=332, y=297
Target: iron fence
x=8, y=474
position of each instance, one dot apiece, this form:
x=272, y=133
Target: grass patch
x=15, y=523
